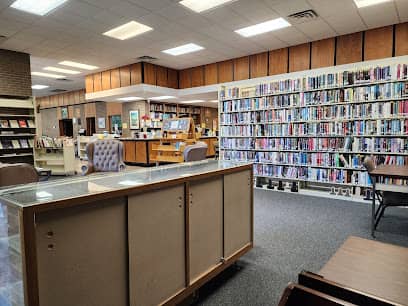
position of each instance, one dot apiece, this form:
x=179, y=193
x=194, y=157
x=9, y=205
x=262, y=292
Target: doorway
x=66, y=128
x=90, y=126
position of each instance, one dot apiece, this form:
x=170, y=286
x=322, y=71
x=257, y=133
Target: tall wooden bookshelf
x=159, y=112
x=318, y=126
x=17, y=130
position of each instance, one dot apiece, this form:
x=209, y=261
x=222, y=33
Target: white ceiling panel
x=402, y=7
x=316, y=29
x=74, y=30
x=285, y=8
x=379, y=15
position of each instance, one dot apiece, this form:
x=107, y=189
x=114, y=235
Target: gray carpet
x=292, y=233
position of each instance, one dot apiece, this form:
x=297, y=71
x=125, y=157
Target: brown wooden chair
x=298, y=295
x=16, y=174
x=385, y=198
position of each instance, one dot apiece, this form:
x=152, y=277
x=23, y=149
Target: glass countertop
x=44, y=192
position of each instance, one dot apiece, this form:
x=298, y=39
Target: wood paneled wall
x=62, y=99
x=372, y=44
x=378, y=43
x=134, y=74
x=349, y=48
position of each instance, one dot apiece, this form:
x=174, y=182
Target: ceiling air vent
x=57, y=90
x=146, y=58
x=304, y=16
x=64, y=80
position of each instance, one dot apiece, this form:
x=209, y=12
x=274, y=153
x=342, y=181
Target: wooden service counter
x=143, y=237
x=139, y=150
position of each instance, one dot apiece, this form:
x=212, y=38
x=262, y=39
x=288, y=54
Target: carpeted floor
x=292, y=233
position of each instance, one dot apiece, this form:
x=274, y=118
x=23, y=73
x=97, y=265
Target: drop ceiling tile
x=291, y=36
x=316, y=29
x=285, y=8
x=346, y=23
x=16, y=44
x=153, y=5
x=195, y=22
x=129, y=10
x=268, y=42
x=174, y=12
x=82, y=8
x=254, y=11
x=402, y=6
x=327, y=8
x=233, y=22
x=379, y=15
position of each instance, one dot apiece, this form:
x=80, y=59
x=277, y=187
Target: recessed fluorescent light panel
x=60, y=70
x=127, y=99
x=193, y=101
x=128, y=30
x=162, y=98
x=213, y=101
x=184, y=49
x=264, y=27
x=36, y=7
x=48, y=75
x=199, y=6
x=364, y=3
x=78, y=65
x=39, y=87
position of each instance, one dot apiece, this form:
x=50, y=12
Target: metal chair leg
x=380, y=216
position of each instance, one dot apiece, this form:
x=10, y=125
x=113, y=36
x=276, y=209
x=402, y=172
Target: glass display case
x=11, y=275
x=44, y=226
x=38, y=193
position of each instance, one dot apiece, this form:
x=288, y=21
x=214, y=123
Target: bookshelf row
x=374, y=128
x=17, y=124
x=315, y=159
x=345, y=145
x=340, y=80
x=320, y=99
x=318, y=128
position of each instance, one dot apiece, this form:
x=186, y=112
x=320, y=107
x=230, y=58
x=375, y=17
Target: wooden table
x=386, y=171
x=372, y=267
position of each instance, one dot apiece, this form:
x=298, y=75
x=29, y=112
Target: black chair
x=385, y=198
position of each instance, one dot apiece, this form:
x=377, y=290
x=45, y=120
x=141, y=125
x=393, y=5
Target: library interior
x=203, y=152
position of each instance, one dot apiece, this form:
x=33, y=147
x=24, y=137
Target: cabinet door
x=205, y=227
x=157, y=264
x=141, y=154
x=237, y=212
x=82, y=255
x=130, y=151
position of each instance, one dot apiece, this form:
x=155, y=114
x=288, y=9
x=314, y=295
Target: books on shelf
x=319, y=127
x=30, y=123
x=15, y=143
x=24, y=143
x=49, y=142
x=4, y=123
x=7, y=144
x=22, y=123
x=14, y=124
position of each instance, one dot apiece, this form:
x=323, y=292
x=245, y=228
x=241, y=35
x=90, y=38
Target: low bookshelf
x=17, y=130
x=316, y=127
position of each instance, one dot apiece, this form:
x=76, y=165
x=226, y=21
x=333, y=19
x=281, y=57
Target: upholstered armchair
x=195, y=152
x=15, y=174
x=104, y=156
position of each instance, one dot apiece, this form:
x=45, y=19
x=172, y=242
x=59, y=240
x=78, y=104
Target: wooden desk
x=387, y=171
x=372, y=267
